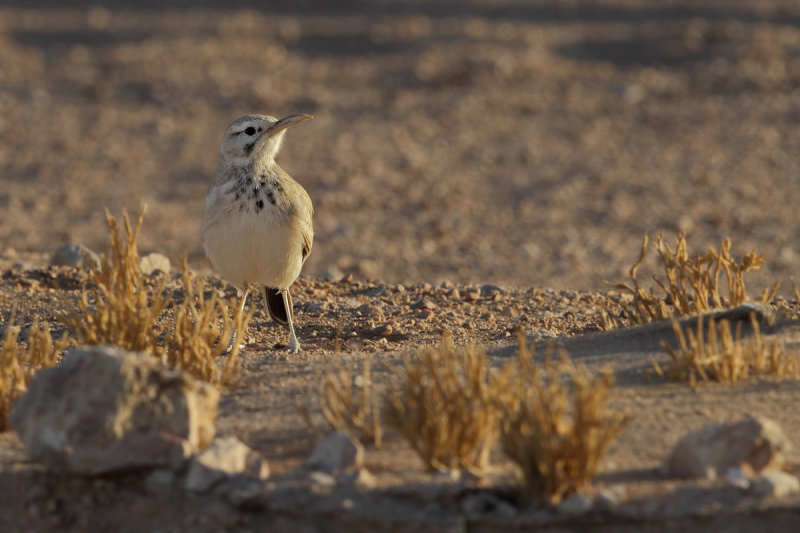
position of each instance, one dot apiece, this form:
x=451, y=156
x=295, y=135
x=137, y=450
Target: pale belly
x=249, y=247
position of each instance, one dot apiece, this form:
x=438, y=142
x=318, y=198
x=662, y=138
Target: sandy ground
x=455, y=146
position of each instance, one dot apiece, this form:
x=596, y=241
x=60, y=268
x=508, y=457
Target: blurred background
x=527, y=143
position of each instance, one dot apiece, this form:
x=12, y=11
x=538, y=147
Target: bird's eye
x=250, y=131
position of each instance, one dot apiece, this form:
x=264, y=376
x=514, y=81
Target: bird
x=257, y=222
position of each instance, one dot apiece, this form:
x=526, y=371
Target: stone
x=472, y=295
x=160, y=480
x=154, y=262
x=322, y=479
x=736, y=477
x=489, y=290
x=361, y=479
x=374, y=292
x=758, y=443
x=364, y=480
x=75, y=255
x=336, y=453
x=776, y=483
x=608, y=499
x=576, y=505
x=223, y=459
x=370, y=311
x=103, y=409
x=484, y=502
x=424, y=304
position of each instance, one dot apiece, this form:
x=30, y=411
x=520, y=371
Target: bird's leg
x=244, y=300
x=294, y=346
x=241, y=312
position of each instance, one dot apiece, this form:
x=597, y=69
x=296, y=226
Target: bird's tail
x=275, y=306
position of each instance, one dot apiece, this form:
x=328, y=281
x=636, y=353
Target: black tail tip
x=277, y=310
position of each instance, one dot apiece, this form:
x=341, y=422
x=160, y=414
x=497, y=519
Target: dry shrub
x=441, y=403
x=556, y=424
x=350, y=404
x=201, y=332
x=18, y=365
x=692, y=285
x=116, y=306
x=719, y=355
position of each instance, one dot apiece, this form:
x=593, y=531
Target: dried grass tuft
x=350, y=404
x=18, y=365
x=441, y=403
x=692, y=285
x=717, y=354
x=201, y=332
x=116, y=306
x=556, y=424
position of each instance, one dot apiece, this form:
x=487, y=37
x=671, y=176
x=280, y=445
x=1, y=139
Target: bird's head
x=256, y=138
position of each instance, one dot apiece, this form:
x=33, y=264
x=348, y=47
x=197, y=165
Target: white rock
x=103, y=409
x=153, y=262
x=575, y=505
x=735, y=477
x=336, y=452
x=758, y=443
x=223, y=459
x=322, y=479
x=776, y=483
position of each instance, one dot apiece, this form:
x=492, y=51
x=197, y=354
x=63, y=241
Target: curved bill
x=285, y=122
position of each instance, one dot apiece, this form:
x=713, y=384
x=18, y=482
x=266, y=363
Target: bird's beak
x=285, y=122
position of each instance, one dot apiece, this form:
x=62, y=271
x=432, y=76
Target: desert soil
x=477, y=168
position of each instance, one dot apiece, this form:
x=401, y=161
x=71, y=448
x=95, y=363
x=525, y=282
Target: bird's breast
x=249, y=235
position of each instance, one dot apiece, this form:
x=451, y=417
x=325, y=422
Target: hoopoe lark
x=257, y=220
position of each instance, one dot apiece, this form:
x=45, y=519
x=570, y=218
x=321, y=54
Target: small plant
x=441, y=403
x=116, y=306
x=201, y=332
x=556, y=424
x=19, y=365
x=350, y=404
x=692, y=285
x=720, y=355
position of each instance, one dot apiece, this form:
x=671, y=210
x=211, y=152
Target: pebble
x=159, y=480
x=336, y=452
x=72, y=254
x=316, y=308
x=472, y=295
x=424, y=304
x=152, y=263
x=383, y=331
x=489, y=290
x=322, y=479
x=775, y=483
x=608, y=499
x=380, y=290
x=736, y=477
x=485, y=502
x=425, y=314
x=370, y=311
x=575, y=505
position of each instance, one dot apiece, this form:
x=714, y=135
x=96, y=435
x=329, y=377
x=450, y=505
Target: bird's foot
x=294, y=347
x=229, y=349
